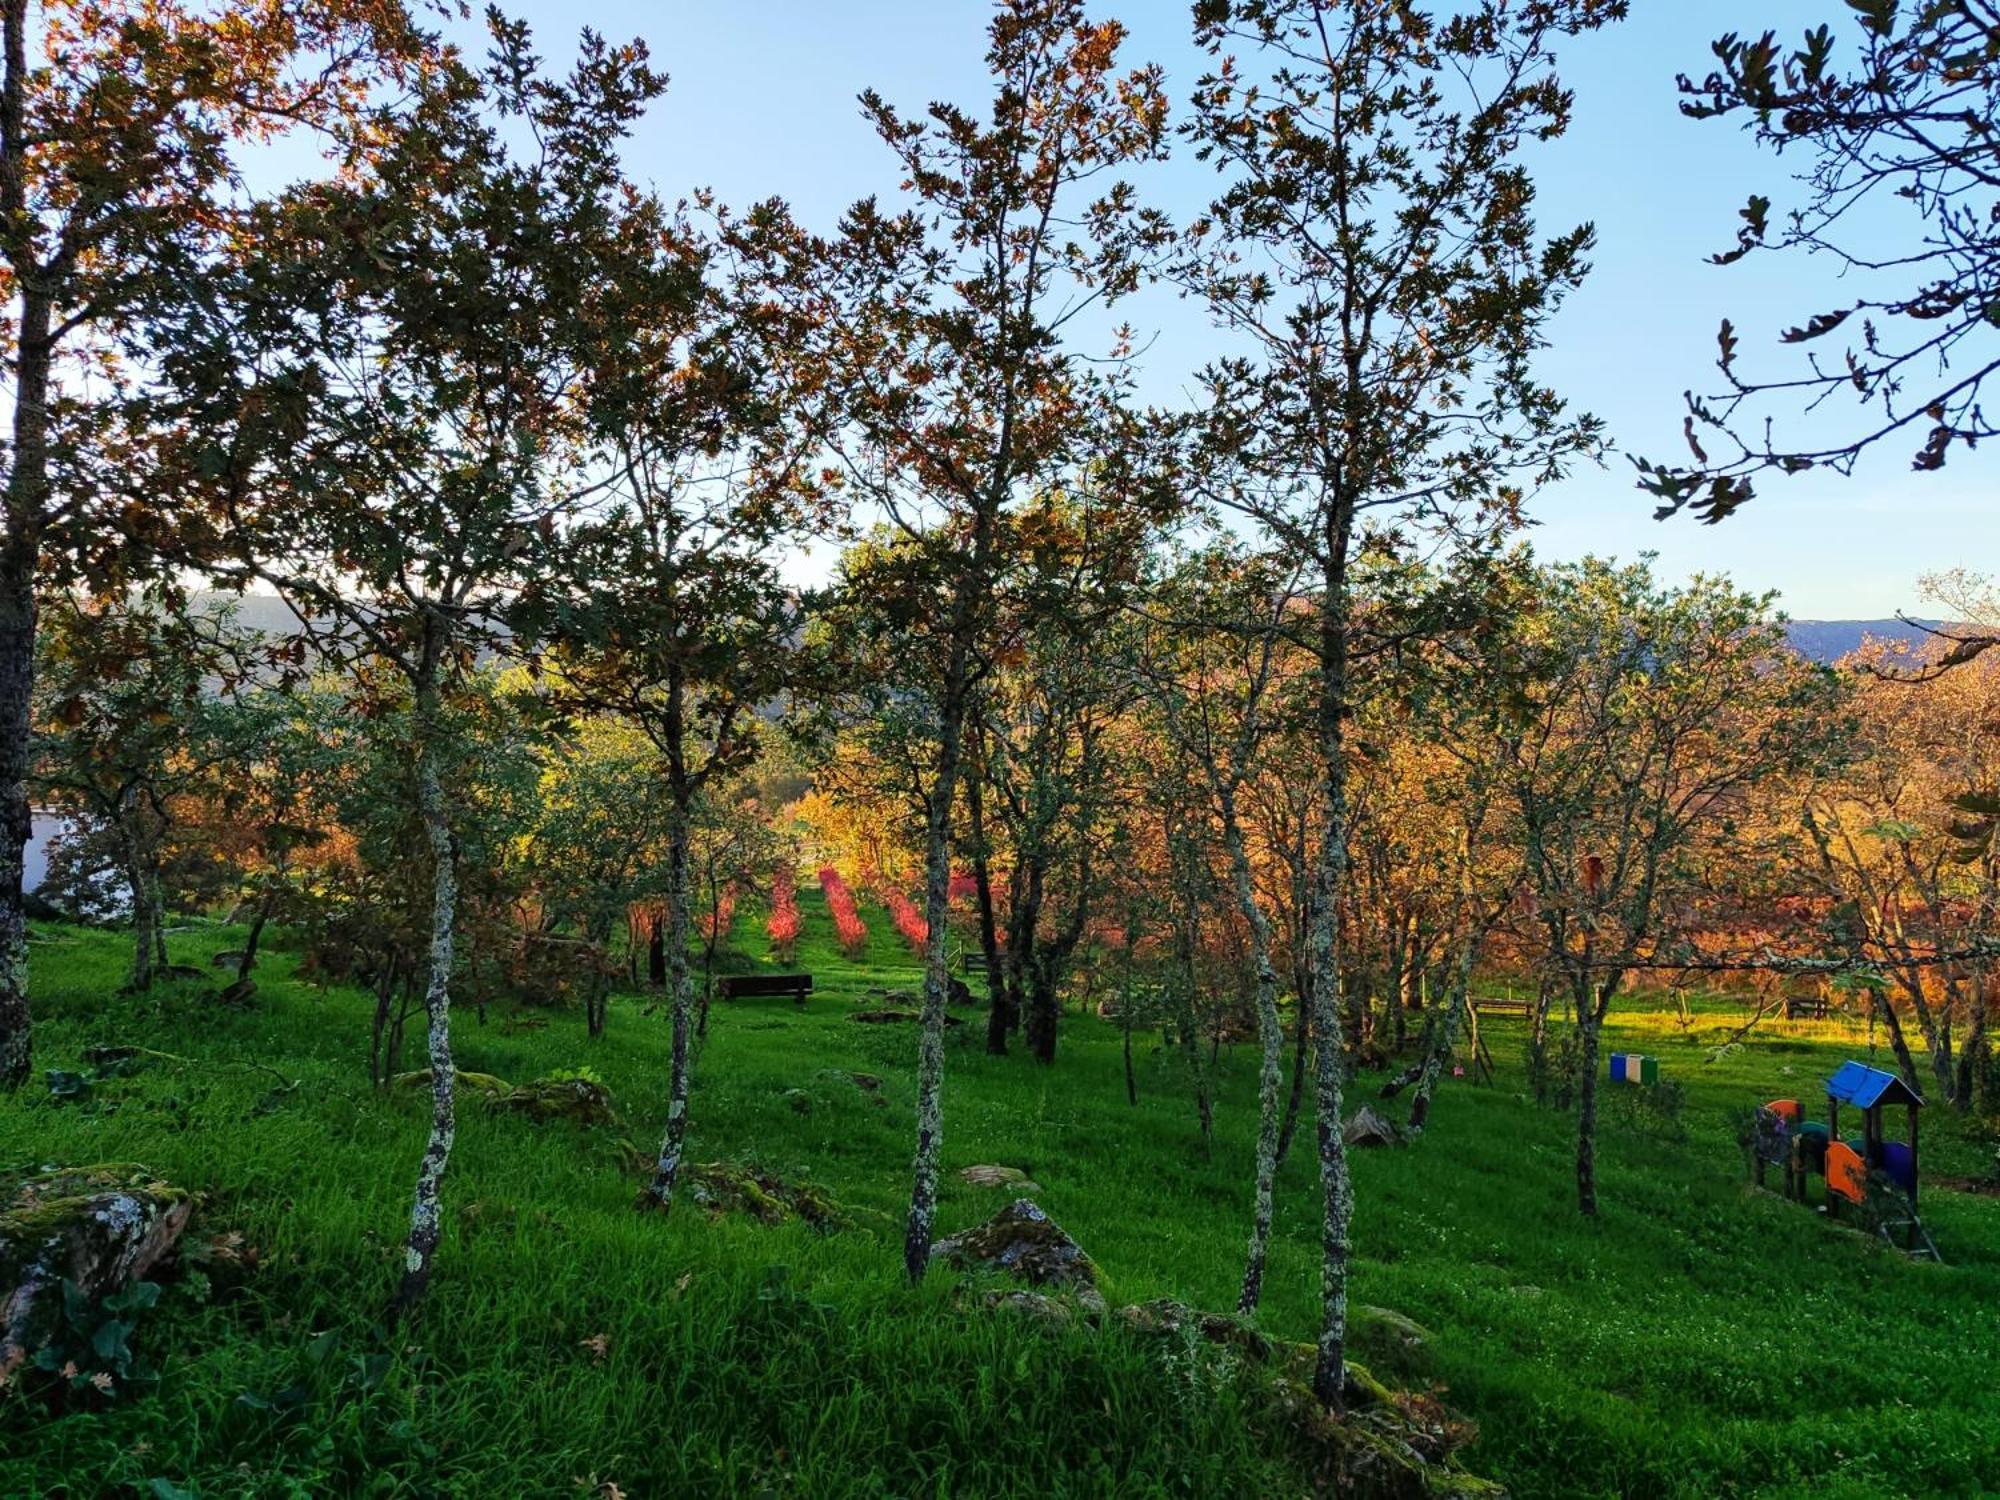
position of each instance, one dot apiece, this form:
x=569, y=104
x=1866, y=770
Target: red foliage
x=847, y=924
x=784, y=924
x=716, y=924
x=909, y=921
x=963, y=887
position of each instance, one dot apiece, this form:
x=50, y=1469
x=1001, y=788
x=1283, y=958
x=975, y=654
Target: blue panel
x=1860, y=1085
x=1894, y=1158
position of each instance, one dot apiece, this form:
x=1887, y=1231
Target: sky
x=762, y=103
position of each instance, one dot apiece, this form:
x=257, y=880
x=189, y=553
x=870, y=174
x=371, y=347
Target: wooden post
x=1913, y=1154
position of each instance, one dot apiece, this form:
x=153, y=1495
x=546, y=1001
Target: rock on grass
x=583, y=1101
x=895, y=1017
x=1023, y=1242
x=1386, y=1444
x=722, y=1188
x=99, y=1228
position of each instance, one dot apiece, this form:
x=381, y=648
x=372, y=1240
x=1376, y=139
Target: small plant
x=1553, y=1063
x=92, y=1348
x=1655, y=1109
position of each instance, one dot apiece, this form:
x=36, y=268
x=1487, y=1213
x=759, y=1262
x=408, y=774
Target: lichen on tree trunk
x=1271, y=1039
x=1445, y=1041
x=425, y=1226
x=1336, y=1187
x=666, y=1170
x=917, y=1232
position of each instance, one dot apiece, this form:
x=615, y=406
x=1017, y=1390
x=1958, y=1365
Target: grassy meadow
x=1698, y=1339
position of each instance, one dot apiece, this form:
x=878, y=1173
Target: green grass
x=1697, y=1339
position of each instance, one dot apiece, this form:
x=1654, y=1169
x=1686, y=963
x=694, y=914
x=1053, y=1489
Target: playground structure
x=1868, y=1171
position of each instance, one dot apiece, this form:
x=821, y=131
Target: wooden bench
x=748, y=986
x=1806, y=1008
x=970, y=962
x=1497, y=1007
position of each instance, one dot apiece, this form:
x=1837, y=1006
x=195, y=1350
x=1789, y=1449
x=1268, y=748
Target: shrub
x=847, y=924
x=909, y=921
x=715, y=924
x=783, y=927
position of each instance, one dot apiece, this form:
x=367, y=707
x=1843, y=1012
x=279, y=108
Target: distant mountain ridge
x=1829, y=640
x=1821, y=640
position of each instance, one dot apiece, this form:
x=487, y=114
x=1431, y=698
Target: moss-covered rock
x=478, y=1083
x=1023, y=1242
x=99, y=1227
x=1388, y=1341
x=572, y=1097
x=1385, y=1445
x=895, y=1018
x=992, y=1174
x=722, y=1188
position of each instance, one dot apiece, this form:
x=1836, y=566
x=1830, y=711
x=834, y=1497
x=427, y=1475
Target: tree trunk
x=425, y=1226
x=1969, y=1096
x=998, y=1021
x=156, y=890
x=143, y=917
x=1051, y=965
x=1937, y=1039
x=1271, y=1040
x=1906, y=1063
x=1444, y=1041
x=1336, y=1187
x=1186, y=936
x=1024, y=915
x=711, y=940
x=1538, y=1040
x=597, y=985
x=249, y=959
x=937, y=981
x=1044, y=1010
x=381, y=1064
x=1589, y=1022
x=666, y=1171
x=1125, y=1025
x=26, y=506
x=1301, y=1050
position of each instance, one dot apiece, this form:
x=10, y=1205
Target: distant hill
x=1821, y=640
x=1829, y=640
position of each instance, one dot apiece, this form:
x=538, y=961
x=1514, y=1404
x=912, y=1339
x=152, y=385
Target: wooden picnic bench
x=749, y=986
x=1807, y=1008
x=1494, y=1006
x=971, y=962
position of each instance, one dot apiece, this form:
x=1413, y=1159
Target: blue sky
x=762, y=104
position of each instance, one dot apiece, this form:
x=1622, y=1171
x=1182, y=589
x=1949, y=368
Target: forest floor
x=1698, y=1338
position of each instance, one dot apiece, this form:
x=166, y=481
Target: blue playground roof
x=1858, y=1084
